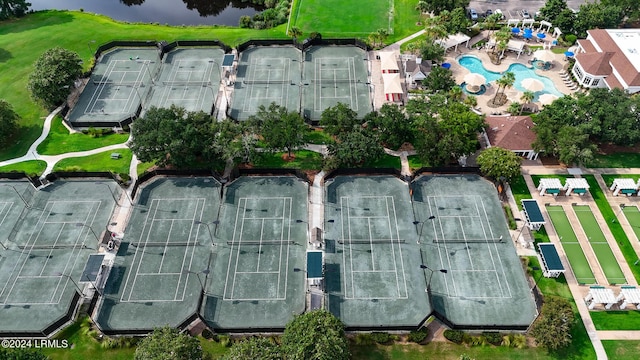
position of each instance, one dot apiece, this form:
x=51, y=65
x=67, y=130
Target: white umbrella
x=514, y=95
x=532, y=84
x=474, y=79
x=544, y=55
x=546, y=99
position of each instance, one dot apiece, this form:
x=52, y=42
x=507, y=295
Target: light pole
x=19, y=195
x=216, y=222
x=95, y=286
x=428, y=289
x=432, y=217
x=90, y=48
x=145, y=65
x=114, y=195
x=80, y=292
x=535, y=281
x=90, y=228
x=197, y=274
x=615, y=216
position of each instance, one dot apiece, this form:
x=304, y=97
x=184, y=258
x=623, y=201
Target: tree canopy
x=354, y=149
x=279, y=128
x=439, y=79
x=315, y=335
x=8, y=122
x=499, y=164
x=53, y=76
x=552, y=330
x=437, y=6
x=339, y=119
x=392, y=126
x=255, y=347
x=168, y=344
x=13, y=8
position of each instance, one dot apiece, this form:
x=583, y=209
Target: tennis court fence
x=53, y=247
x=462, y=241
x=372, y=241
x=165, y=244
x=186, y=83
x=116, y=83
x=263, y=242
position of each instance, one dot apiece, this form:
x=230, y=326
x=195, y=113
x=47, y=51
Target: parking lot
x=512, y=8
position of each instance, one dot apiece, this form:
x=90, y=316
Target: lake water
x=172, y=12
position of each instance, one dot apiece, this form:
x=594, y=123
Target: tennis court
x=266, y=75
x=462, y=230
x=633, y=217
x=572, y=248
x=164, y=256
x=599, y=244
x=335, y=74
x=373, y=274
x=189, y=78
x=49, y=235
x=261, y=239
x=118, y=86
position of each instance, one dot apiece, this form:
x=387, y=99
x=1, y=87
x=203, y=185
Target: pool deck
x=459, y=71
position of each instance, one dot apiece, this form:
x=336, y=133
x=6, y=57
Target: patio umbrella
x=474, y=79
x=446, y=65
x=515, y=30
x=532, y=84
x=546, y=99
x=528, y=30
x=544, y=55
x=527, y=35
x=541, y=35
x=514, y=95
x=569, y=53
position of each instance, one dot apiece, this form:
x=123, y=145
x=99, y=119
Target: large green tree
x=392, y=125
x=439, y=80
x=254, y=348
x=279, y=128
x=339, y=119
x=552, y=9
x=630, y=8
x=552, y=330
x=354, y=149
x=597, y=15
x=13, y=8
x=172, y=136
x=22, y=354
x=168, y=344
x=315, y=335
x=499, y=164
x=8, y=122
x=53, y=76
x=437, y=6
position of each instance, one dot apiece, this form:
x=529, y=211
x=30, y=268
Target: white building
x=609, y=58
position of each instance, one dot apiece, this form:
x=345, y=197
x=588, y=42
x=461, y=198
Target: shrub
x=519, y=341
x=224, y=340
x=208, y=334
x=478, y=340
x=455, y=336
x=381, y=337
x=364, y=339
x=493, y=338
x=418, y=336
x=506, y=341
x=570, y=39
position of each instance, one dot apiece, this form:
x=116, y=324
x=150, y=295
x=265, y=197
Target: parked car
x=498, y=11
x=488, y=13
x=473, y=14
x=525, y=14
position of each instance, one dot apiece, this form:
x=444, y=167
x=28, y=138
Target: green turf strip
x=357, y=17
x=601, y=248
x=633, y=217
x=577, y=259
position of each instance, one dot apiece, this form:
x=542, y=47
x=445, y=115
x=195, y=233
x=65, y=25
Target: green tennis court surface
x=261, y=239
x=167, y=248
x=572, y=248
x=462, y=230
x=633, y=217
x=48, y=242
x=601, y=248
x=373, y=274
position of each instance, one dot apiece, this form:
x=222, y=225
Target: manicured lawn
x=304, y=160
x=609, y=216
x=60, y=141
x=616, y=320
x=608, y=178
x=27, y=167
x=318, y=136
x=519, y=190
x=621, y=349
x=387, y=161
x=98, y=162
x=22, y=41
x=616, y=160
x=144, y=166
x=415, y=162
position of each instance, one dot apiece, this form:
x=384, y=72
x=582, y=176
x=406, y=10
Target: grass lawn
x=98, y=162
x=616, y=320
x=143, y=167
x=615, y=227
x=22, y=41
x=415, y=162
x=621, y=349
x=304, y=160
x=519, y=190
x=318, y=136
x=27, y=167
x=60, y=141
x=386, y=161
x=608, y=178
x=616, y=160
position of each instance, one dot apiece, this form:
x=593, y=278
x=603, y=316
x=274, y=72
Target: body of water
x=521, y=72
x=172, y=12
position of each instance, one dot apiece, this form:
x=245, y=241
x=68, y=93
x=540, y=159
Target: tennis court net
x=263, y=242
x=116, y=83
x=339, y=81
x=374, y=241
x=53, y=247
x=186, y=83
x=165, y=244
x=267, y=82
x=462, y=241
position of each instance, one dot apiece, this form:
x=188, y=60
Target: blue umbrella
x=527, y=35
x=515, y=30
x=528, y=31
x=568, y=54
x=541, y=35
x=446, y=65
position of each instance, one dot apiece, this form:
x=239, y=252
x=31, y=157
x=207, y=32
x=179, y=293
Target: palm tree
x=513, y=108
x=471, y=101
x=455, y=93
x=510, y=79
x=422, y=6
x=526, y=98
x=295, y=33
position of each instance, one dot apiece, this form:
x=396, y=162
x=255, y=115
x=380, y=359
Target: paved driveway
x=513, y=7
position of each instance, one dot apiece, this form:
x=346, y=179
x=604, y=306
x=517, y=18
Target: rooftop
x=510, y=132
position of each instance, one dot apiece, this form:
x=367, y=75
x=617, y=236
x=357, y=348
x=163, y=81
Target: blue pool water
x=521, y=72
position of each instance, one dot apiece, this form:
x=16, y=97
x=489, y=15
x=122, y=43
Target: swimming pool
x=521, y=72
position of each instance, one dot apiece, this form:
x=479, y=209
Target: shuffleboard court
x=633, y=217
x=266, y=75
x=572, y=248
x=601, y=248
x=463, y=233
x=373, y=274
x=260, y=240
x=52, y=233
x=163, y=261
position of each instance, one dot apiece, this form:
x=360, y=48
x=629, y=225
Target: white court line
x=504, y=275
x=393, y=250
x=135, y=255
x=284, y=66
x=464, y=237
x=186, y=250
